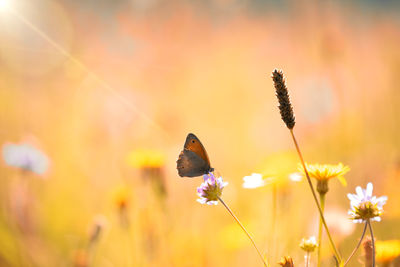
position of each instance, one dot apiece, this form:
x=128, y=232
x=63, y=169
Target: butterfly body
x=193, y=160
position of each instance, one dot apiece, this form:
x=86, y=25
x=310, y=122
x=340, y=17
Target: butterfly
x=193, y=160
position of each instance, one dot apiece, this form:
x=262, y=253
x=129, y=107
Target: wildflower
x=253, y=181
x=277, y=169
x=210, y=193
x=285, y=107
x=150, y=163
x=364, y=206
x=145, y=158
x=25, y=157
x=387, y=251
x=309, y=244
x=286, y=261
x=210, y=190
x=323, y=173
x=121, y=196
x=295, y=177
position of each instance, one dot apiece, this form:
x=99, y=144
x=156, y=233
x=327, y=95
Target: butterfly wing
x=190, y=164
x=193, y=143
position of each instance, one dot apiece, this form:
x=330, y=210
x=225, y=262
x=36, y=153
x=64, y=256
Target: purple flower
x=26, y=157
x=210, y=190
x=364, y=206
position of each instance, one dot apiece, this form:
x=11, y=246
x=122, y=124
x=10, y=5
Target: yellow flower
x=309, y=244
x=278, y=168
x=145, y=158
x=326, y=172
x=387, y=251
x=286, y=261
x=121, y=196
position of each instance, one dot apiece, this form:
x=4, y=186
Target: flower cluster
x=364, y=206
x=25, y=157
x=309, y=244
x=210, y=190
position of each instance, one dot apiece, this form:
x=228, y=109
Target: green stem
x=358, y=245
x=337, y=255
x=244, y=230
x=373, y=242
x=322, y=201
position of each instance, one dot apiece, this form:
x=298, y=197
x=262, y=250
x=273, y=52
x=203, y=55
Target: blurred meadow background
x=103, y=93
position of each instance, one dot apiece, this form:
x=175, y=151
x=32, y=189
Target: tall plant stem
x=322, y=202
x=337, y=255
x=244, y=230
x=358, y=245
x=373, y=242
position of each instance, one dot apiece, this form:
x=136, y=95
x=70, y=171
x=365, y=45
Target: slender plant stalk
x=373, y=242
x=307, y=258
x=358, y=245
x=274, y=216
x=244, y=230
x=322, y=201
x=321, y=214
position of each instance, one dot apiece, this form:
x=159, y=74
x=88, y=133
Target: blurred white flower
x=253, y=181
x=296, y=177
x=26, y=157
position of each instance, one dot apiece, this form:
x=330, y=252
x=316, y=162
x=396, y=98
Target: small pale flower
x=210, y=190
x=364, y=206
x=25, y=157
x=309, y=244
x=253, y=181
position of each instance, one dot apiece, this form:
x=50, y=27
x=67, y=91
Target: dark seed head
x=285, y=107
